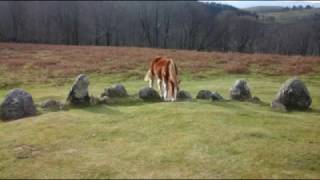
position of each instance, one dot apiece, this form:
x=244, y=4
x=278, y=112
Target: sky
x=246, y=4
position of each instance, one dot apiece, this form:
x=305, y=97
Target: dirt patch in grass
x=26, y=151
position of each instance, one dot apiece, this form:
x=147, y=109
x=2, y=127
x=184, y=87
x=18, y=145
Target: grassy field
x=264, y=9
x=290, y=16
x=134, y=139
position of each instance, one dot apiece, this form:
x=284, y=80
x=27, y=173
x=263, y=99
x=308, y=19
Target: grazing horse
x=165, y=71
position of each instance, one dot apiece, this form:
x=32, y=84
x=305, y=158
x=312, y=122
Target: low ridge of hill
x=264, y=9
x=280, y=14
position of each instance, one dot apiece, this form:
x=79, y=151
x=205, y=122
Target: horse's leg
x=165, y=90
x=154, y=82
x=151, y=82
x=175, y=93
x=169, y=91
x=160, y=87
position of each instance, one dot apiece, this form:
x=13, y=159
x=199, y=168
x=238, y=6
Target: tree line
x=159, y=24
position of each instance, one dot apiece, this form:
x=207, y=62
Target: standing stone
x=183, y=95
x=115, y=91
x=215, y=96
x=17, y=104
x=240, y=91
x=204, y=94
x=293, y=94
x=79, y=94
x=149, y=94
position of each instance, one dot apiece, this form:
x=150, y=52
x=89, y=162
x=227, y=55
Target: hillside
x=264, y=9
x=287, y=16
x=129, y=138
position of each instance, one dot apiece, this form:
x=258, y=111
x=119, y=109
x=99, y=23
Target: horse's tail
x=147, y=77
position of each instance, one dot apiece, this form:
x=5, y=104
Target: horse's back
x=159, y=66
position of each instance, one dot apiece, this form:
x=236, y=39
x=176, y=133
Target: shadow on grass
x=309, y=111
x=235, y=104
x=100, y=109
x=245, y=105
x=131, y=100
x=113, y=103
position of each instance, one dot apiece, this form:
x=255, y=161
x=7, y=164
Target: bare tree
x=185, y=25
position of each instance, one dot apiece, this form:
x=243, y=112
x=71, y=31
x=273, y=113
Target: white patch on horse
x=165, y=91
x=160, y=87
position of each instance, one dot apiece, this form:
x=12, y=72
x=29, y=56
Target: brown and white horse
x=165, y=72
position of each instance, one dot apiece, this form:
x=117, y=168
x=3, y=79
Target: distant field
x=24, y=63
x=264, y=9
x=134, y=139
x=288, y=16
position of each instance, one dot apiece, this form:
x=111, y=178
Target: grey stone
x=183, y=95
x=52, y=105
x=240, y=91
x=79, y=94
x=115, y=91
x=149, y=94
x=294, y=95
x=255, y=99
x=204, y=94
x=277, y=106
x=17, y=104
x=105, y=100
x=100, y=100
x=215, y=96
x=94, y=100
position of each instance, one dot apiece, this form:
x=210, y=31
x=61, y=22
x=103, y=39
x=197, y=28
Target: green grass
x=197, y=139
